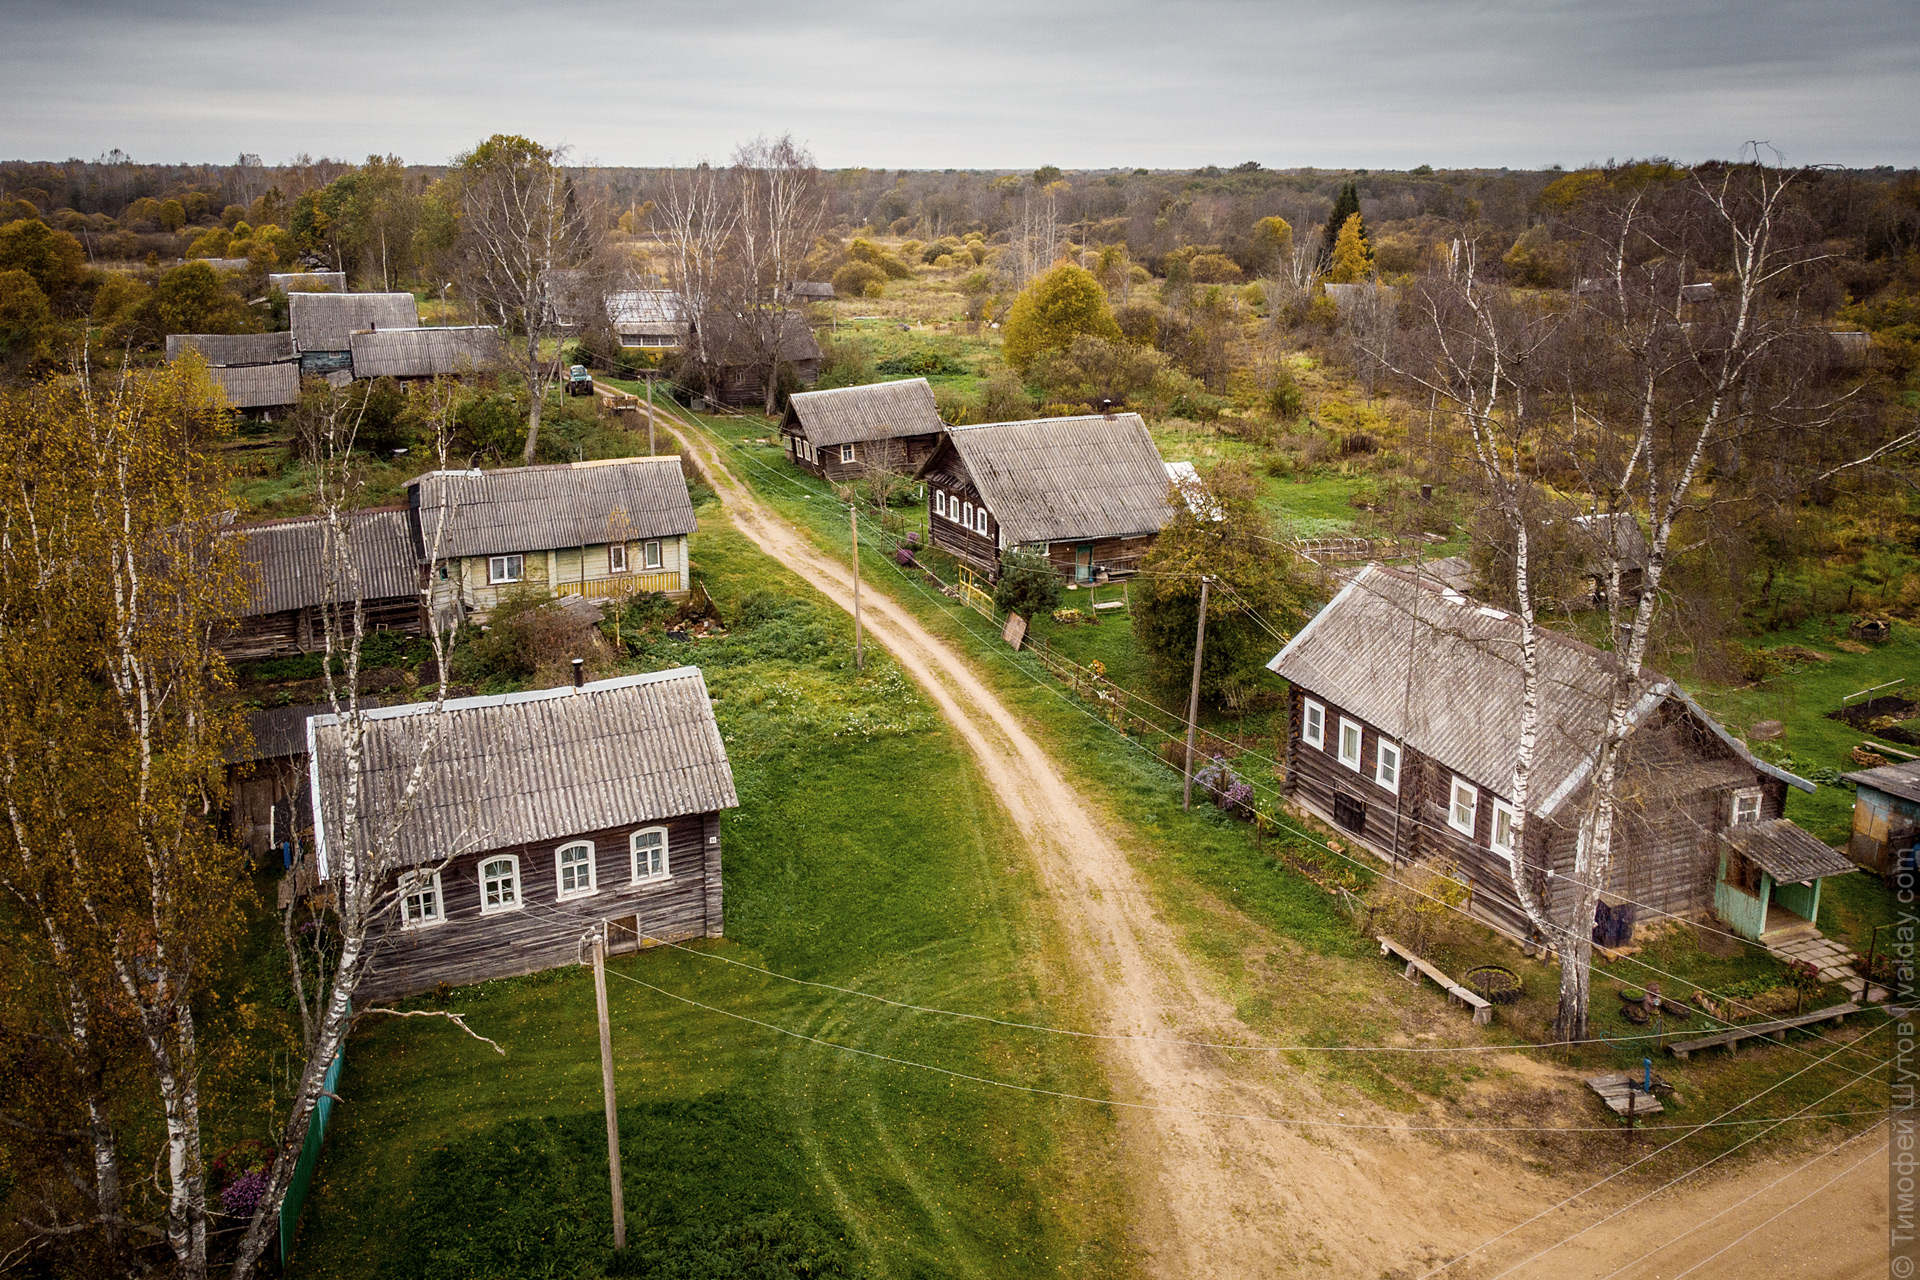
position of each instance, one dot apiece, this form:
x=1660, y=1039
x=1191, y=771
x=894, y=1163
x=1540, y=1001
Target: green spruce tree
x=1347, y=206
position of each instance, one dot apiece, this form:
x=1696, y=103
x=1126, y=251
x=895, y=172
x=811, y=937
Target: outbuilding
x=537, y=817
x=288, y=583
x=323, y=324
x=1886, y=815
x=425, y=353
x=841, y=433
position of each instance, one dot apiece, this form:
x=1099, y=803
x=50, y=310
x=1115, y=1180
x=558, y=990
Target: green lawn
x=865, y=853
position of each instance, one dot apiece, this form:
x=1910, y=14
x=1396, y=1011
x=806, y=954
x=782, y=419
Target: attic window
x=1350, y=743
x=1746, y=806
x=1313, y=724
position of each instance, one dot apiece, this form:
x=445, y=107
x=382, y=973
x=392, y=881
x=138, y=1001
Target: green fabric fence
x=309, y=1157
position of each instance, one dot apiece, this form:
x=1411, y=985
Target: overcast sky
x=992, y=84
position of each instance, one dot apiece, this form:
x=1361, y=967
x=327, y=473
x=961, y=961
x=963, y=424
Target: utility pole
x=650, y=415
x=606, y=1084
x=1193, y=698
x=859, y=648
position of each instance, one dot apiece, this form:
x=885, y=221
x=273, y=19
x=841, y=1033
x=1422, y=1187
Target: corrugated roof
x=280, y=733
x=233, y=348
x=226, y=264
x=1463, y=660
x=328, y=321
x=1784, y=851
x=1063, y=479
x=730, y=341
x=282, y=559
x=258, y=386
x=879, y=411
x=1611, y=535
x=646, y=310
x=576, y=504
x=1901, y=780
x=308, y=281
x=521, y=768
x=425, y=353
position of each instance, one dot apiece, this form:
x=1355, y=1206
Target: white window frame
x=414, y=886
x=940, y=502
x=650, y=554
x=980, y=521
x=846, y=453
x=616, y=557
x=1313, y=723
x=560, y=869
x=504, y=569
x=966, y=515
x=1501, y=809
x=633, y=857
x=1381, y=749
x=1359, y=743
x=519, y=894
x=1453, y=806
x=1744, y=796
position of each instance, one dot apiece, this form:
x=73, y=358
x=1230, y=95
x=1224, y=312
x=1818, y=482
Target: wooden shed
x=234, y=350
x=267, y=781
x=1406, y=708
x=840, y=433
x=323, y=324
x=425, y=353
x=1886, y=815
x=258, y=388
x=1090, y=493
x=288, y=583
x=602, y=530
x=539, y=816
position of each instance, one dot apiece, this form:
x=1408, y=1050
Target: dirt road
x=1213, y=1197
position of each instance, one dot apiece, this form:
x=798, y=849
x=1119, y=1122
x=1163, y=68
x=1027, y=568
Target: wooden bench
x=1482, y=1007
x=1775, y=1030
x=1620, y=1090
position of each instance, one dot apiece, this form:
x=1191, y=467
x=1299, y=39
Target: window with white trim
x=1505, y=824
x=846, y=453
x=506, y=568
x=650, y=554
x=499, y=884
x=1313, y=724
x=1386, y=764
x=616, y=557
x=966, y=514
x=1746, y=806
x=650, y=854
x=1350, y=743
x=573, y=866
x=980, y=521
x=1463, y=806
x=420, y=899
x=940, y=502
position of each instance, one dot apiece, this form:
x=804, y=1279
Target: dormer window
x=1746, y=806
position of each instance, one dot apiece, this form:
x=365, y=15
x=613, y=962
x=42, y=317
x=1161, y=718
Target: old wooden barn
x=603, y=530
x=842, y=433
x=1090, y=493
x=425, y=353
x=323, y=324
x=1406, y=706
x=1886, y=815
x=288, y=583
x=737, y=354
x=540, y=816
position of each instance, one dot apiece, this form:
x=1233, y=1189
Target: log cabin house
x=1406, y=705
x=602, y=530
x=733, y=355
x=323, y=324
x=1089, y=493
x=647, y=318
x=287, y=582
x=257, y=372
x=838, y=434
x=540, y=816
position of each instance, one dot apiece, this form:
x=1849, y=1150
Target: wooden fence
x=667, y=581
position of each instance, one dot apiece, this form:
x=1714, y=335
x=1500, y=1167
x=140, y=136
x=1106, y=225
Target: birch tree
x=521, y=221
x=695, y=217
x=365, y=872
x=780, y=210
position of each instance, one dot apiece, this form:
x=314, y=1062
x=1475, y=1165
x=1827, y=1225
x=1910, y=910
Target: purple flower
x=242, y=1196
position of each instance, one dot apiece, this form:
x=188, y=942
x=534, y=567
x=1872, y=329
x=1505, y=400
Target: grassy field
x=1297, y=966
x=866, y=854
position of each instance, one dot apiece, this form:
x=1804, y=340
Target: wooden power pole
x=650, y=452
x=606, y=1084
x=1193, y=698
x=859, y=648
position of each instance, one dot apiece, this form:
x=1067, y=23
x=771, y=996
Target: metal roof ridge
x=404, y=709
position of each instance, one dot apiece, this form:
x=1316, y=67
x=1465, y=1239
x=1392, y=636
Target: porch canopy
x=1785, y=852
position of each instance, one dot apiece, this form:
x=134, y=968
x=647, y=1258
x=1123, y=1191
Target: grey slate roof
x=308, y=281
x=1617, y=532
x=1062, y=479
x=519, y=768
x=1784, y=851
x=1464, y=659
x=233, y=348
x=226, y=264
x=570, y=504
x=646, y=311
x=258, y=386
x=280, y=733
x=1901, y=780
x=811, y=290
x=282, y=560
x=879, y=411
x=327, y=321
x=425, y=353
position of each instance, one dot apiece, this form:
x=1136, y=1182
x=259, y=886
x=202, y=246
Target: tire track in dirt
x=1211, y=1197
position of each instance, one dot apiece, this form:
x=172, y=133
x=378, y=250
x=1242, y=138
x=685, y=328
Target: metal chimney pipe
x=579, y=673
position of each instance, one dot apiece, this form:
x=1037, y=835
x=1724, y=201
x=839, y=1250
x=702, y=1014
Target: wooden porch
x=666, y=581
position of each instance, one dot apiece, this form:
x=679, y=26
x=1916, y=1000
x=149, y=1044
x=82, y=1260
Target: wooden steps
x=1775, y=1029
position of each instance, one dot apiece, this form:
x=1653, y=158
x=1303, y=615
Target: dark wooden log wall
x=253, y=790
x=982, y=551
x=1120, y=555
x=292, y=632
x=544, y=932
x=909, y=453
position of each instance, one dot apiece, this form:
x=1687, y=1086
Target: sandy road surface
x=1235, y=1197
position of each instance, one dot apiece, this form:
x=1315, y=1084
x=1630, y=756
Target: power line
x=1782, y=1213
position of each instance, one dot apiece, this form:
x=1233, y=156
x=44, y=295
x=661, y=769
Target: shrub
x=1284, y=398
x=1051, y=311
x=859, y=280
x=489, y=423
x=920, y=364
x=528, y=633
x=1360, y=442
x=1070, y=617
x=864, y=250
x=1214, y=268
x=1028, y=585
